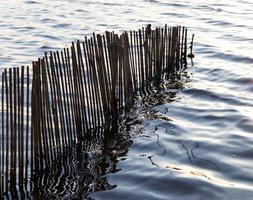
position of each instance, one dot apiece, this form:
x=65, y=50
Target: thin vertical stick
x=145, y=47
x=120, y=77
x=114, y=74
x=21, y=175
x=43, y=111
x=82, y=88
x=107, y=44
x=104, y=82
x=87, y=103
x=2, y=140
x=63, y=96
x=162, y=51
x=12, y=180
x=173, y=48
x=88, y=84
x=52, y=109
x=70, y=95
x=166, y=49
x=178, y=45
x=66, y=94
x=36, y=145
x=131, y=48
x=19, y=150
x=91, y=81
x=33, y=123
x=149, y=49
x=185, y=46
x=69, y=71
x=94, y=75
x=107, y=74
x=47, y=110
x=128, y=85
x=55, y=104
x=101, y=76
x=41, y=133
x=77, y=92
x=141, y=60
x=62, y=133
x=182, y=45
x=138, y=59
x=153, y=55
x=107, y=65
x=27, y=126
x=7, y=130
x=170, y=51
x=14, y=141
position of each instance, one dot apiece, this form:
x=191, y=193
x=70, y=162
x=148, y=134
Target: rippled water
x=197, y=143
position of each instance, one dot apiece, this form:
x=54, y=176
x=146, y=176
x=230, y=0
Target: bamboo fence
x=72, y=95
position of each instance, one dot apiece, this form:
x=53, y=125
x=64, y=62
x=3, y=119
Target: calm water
x=197, y=142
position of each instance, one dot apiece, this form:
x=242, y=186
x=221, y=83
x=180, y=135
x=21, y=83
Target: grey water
x=194, y=141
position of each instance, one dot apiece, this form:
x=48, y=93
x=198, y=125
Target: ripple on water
x=197, y=143
x=215, y=97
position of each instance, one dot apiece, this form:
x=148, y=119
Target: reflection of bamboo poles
x=76, y=93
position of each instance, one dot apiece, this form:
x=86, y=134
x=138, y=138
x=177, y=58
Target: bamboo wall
x=72, y=95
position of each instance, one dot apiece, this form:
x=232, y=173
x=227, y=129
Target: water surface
x=196, y=142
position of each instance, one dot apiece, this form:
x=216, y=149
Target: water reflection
x=81, y=171
x=211, y=116
x=157, y=114
x=85, y=171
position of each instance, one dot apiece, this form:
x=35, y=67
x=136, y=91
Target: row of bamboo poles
x=71, y=95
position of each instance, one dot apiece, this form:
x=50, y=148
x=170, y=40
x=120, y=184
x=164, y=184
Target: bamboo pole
x=71, y=94
x=88, y=84
x=27, y=156
x=21, y=136
x=76, y=93
x=60, y=98
x=82, y=89
x=2, y=188
x=67, y=102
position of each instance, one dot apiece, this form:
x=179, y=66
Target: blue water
x=196, y=141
